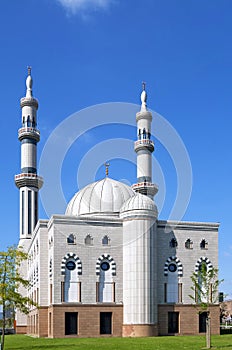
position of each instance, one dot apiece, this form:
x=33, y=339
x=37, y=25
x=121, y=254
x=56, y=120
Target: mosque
x=108, y=267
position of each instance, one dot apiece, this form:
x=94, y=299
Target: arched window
x=71, y=285
x=106, y=270
x=28, y=121
x=172, y=283
x=173, y=269
x=37, y=274
x=201, y=294
x=88, y=240
x=71, y=239
x=204, y=244
x=189, y=244
x=50, y=268
x=33, y=122
x=203, y=266
x=105, y=240
x=105, y=285
x=173, y=243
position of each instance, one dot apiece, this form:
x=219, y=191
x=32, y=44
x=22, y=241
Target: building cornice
x=85, y=220
x=183, y=225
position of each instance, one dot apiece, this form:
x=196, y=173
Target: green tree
x=205, y=285
x=10, y=281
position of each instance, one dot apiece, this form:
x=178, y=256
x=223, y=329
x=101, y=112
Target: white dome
x=102, y=197
x=139, y=202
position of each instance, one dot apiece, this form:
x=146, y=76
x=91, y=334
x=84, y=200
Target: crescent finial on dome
x=29, y=82
x=107, y=168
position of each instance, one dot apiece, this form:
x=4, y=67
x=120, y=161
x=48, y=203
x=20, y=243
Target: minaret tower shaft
x=28, y=181
x=144, y=147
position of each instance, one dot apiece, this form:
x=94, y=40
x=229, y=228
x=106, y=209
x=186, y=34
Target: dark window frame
x=106, y=323
x=71, y=323
x=173, y=322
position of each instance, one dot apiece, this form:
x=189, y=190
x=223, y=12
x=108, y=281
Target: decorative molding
x=75, y=258
x=108, y=258
x=173, y=259
x=203, y=259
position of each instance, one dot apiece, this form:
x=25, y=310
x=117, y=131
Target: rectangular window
x=105, y=322
x=71, y=323
x=202, y=322
x=113, y=292
x=173, y=322
x=106, y=292
x=22, y=212
x=50, y=323
x=97, y=292
x=29, y=212
x=197, y=297
x=37, y=324
x=165, y=292
x=71, y=290
x=179, y=292
x=62, y=292
x=34, y=324
x=211, y=293
x=172, y=291
x=50, y=293
x=79, y=292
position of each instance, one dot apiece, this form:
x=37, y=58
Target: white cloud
x=74, y=6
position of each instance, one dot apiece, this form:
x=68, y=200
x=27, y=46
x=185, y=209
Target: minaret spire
x=29, y=83
x=107, y=168
x=28, y=181
x=144, y=147
x=143, y=97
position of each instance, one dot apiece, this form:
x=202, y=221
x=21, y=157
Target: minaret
x=144, y=147
x=28, y=181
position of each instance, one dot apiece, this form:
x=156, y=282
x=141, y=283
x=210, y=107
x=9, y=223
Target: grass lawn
x=22, y=342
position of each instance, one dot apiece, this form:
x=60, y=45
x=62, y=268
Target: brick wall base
x=140, y=330
x=188, y=319
x=21, y=329
x=88, y=320
x=50, y=321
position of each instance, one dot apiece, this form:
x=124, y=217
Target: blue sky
x=89, y=52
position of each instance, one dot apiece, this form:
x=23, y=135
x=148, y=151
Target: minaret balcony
x=28, y=132
x=29, y=101
x=147, y=188
x=144, y=144
x=28, y=179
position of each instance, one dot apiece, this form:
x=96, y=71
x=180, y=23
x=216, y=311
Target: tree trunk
x=4, y=306
x=3, y=325
x=208, y=335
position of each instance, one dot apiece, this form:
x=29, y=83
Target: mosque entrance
x=202, y=322
x=105, y=322
x=173, y=322
x=70, y=323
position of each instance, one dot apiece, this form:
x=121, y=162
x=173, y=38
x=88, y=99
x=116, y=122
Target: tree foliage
x=205, y=285
x=10, y=282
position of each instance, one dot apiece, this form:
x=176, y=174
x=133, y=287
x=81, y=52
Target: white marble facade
x=109, y=246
